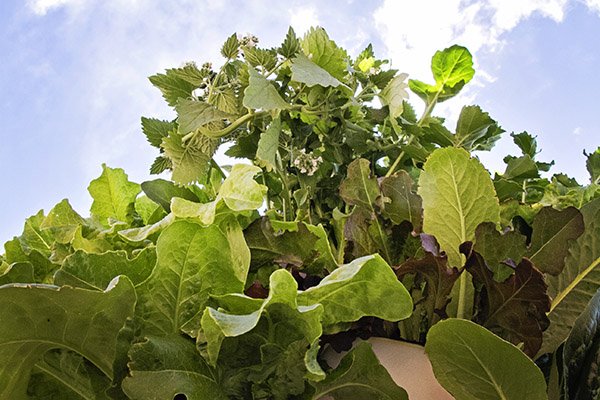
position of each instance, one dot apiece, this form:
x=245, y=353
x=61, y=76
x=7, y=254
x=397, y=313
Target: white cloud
x=593, y=5
x=577, y=131
x=302, y=18
x=413, y=33
x=41, y=7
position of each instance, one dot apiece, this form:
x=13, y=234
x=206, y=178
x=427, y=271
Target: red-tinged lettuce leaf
x=402, y=203
x=501, y=251
x=581, y=354
x=514, y=309
x=553, y=232
x=358, y=376
x=439, y=278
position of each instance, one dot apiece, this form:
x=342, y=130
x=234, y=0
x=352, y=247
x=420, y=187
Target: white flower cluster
x=247, y=40
x=307, y=163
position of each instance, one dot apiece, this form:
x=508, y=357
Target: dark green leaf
x=501, y=251
x=156, y=129
x=401, y=202
x=581, y=354
x=291, y=44
x=472, y=363
x=86, y=322
x=475, y=130
x=553, y=232
x=592, y=164
x=268, y=145
x=359, y=376
x=160, y=165
x=526, y=143
x=162, y=191
x=257, y=57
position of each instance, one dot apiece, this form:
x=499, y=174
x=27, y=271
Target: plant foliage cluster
x=350, y=217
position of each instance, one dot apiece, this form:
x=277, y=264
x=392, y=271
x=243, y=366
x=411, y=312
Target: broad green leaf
x=458, y=195
x=114, y=196
x=291, y=44
x=34, y=237
x=19, y=272
x=476, y=130
x=307, y=72
x=168, y=367
x=326, y=260
x=194, y=262
x=472, y=363
x=394, y=94
x=64, y=375
x=62, y=221
x=268, y=145
x=581, y=354
x=401, y=202
x=261, y=94
x=156, y=129
x=323, y=51
x=573, y=288
x=231, y=47
x=193, y=115
x=92, y=245
x=515, y=308
x=553, y=232
x=290, y=322
x=240, y=191
x=95, y=271
x=162, y=191
x=172, y=87
x=359, y=376
x=191, y=159
x=452, y=69
x=49, y=317
x=521, y=168
x=365, y=287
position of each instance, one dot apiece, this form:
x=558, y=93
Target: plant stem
x=462, y=294
x=426, y=113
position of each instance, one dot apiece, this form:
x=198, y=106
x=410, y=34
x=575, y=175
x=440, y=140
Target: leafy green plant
x=347, y=216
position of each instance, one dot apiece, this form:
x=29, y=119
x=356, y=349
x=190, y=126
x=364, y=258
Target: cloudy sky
x=73, y=75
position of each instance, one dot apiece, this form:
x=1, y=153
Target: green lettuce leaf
x=87, y=322
x=472, y=363
x=193, y=263
x=114, y=196
x=359, y=376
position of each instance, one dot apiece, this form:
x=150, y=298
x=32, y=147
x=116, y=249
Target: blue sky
x=73, y=75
